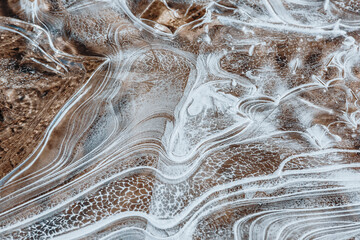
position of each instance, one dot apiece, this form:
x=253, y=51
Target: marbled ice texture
x=180, y=119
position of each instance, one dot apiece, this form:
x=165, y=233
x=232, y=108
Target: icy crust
x=201, y=120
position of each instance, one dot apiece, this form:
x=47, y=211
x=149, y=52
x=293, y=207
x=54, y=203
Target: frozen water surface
x=180, y=119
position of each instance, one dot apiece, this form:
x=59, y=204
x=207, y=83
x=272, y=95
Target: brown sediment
x=10, y=8
x=174, y=15
x=348, y=5
x=30, y=97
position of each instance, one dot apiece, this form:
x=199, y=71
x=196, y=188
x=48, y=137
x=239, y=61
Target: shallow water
x=202, y=119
